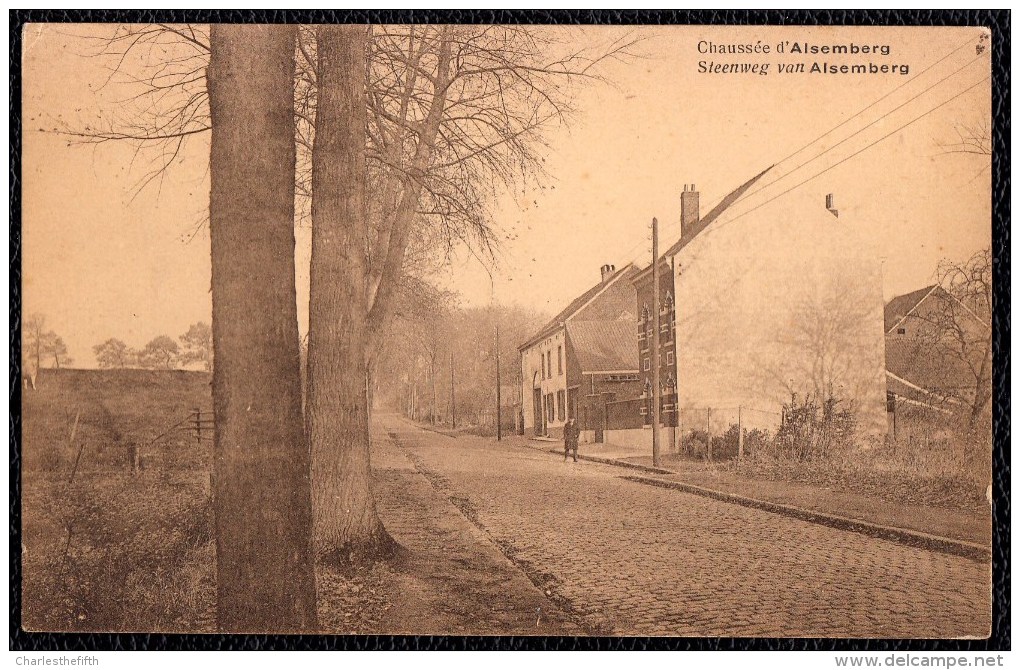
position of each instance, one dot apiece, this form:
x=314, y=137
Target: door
x=539, y=412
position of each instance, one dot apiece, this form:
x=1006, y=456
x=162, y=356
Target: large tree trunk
x=261, y=489
x=347, y=528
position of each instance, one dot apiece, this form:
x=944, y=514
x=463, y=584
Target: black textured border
x=998, y=21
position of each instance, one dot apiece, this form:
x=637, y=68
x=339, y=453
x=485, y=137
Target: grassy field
x=114, y=548
x=111, y=541
x=951, y=477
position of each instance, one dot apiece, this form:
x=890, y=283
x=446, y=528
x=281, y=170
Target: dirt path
x=450, y=579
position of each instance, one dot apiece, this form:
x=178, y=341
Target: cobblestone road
x=627, y=558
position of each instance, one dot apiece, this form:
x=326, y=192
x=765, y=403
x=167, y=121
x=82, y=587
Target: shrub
x=726, y=445
x=813, y=429
x=695, y=443
x=139, y=556
x=756, y=441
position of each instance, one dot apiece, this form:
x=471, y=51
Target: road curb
x=911, y=538
x=609, y=461
x=622, y=464
x=437, y=431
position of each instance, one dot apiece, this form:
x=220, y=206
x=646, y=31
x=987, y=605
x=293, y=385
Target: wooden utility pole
x=656, y=389
x=708, y=429
x=740, y=436
x=435, y=399
x=499, y=426
x=453, y=397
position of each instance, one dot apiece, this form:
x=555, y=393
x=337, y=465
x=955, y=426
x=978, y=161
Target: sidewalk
x=846, y=509
x=448, y=579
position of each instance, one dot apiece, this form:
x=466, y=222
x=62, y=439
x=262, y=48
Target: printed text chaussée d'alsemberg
x=786, y=48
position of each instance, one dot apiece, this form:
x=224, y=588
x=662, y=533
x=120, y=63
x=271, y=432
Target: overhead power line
x=633, y=251
x=969, y=40
x=856, y=153
x=860, y=130
x=847, y=120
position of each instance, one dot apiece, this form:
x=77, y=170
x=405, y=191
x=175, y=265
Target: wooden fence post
x=709, y=431
x=679, y=425
x=740, y=436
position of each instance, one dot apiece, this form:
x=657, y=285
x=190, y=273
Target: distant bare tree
x=41, y=345
x=827, y=349
x=959, y=327
x=113, y=353
x=59, y=351
x=198, y=345
x=37, y=338
x=161, y=352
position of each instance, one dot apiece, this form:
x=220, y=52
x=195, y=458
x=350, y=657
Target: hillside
x=116, y=409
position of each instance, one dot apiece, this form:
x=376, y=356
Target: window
x=648, y=364
x=561, y=405
x=548, y=362
x=543, y=366
x=559, y=358
x=669, y=358
x=550, y=408
x=644, y=313
x=901, y=331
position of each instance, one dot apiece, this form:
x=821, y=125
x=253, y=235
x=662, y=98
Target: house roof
x=695, y=229
x=901, y=305
x=604, y=346
x=911, y=392
x=912, y=361
x=576, y=305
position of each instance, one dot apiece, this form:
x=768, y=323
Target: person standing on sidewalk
x=571, y=434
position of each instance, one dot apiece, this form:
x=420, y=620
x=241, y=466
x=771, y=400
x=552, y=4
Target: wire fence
x=722, y=431
x=717, y=432
x=96, y=441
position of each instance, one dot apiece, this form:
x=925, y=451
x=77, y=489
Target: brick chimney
x=607, y=271
x=689, y=214
x=830, y=204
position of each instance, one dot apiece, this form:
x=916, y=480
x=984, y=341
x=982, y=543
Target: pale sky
x=101, y=262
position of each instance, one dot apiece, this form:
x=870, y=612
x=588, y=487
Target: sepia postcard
x=530, y=330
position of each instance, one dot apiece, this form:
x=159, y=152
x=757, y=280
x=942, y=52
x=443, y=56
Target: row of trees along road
x=442, y=358
x=161, y=352
x=391, y=139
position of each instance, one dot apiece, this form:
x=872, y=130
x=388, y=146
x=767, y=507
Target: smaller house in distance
x=579, y=352
x=602, y=367
x=935, y=347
